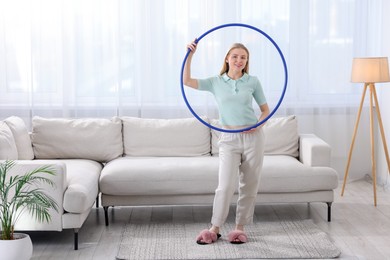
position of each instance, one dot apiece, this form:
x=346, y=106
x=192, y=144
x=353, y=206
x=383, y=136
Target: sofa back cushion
x=89, y=138
x=21, y=136
x=165, y=137
x=281, y=136
x=8, y=150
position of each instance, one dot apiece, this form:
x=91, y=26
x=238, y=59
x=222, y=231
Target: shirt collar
x=244, y=77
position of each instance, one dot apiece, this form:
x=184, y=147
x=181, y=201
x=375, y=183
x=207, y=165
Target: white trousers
x=240, y=157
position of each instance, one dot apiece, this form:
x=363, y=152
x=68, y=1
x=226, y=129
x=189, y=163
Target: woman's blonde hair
x=225, y=66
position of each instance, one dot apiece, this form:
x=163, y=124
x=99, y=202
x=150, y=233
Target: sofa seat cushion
x=83, y=184
x=160, y=176
x=282, y=173
x=199, y=175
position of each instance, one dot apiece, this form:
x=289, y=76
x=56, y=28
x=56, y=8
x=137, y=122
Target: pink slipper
x=237, y=237
x=207, y=237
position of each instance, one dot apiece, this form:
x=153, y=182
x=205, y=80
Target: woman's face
x=237, y=60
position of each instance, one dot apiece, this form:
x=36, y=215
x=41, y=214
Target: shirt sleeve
x=258, y=94
x=205, y=84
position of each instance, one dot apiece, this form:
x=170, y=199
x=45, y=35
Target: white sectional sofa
x=171, y=162
x=138, y=162
x=76, y=149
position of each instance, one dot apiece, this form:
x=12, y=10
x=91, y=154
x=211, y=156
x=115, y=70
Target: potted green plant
x=20, y=193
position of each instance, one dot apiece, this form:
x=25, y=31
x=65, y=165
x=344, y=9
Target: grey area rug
x=275, y=240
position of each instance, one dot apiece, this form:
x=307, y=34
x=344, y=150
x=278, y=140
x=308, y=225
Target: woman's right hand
x=187, y=79
x=192, y=46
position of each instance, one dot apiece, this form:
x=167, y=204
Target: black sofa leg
x=76, y=239
x=106, y=214
x=329, y=211
x=97, y=201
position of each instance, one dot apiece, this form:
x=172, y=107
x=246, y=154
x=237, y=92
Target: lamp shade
x=370, y=70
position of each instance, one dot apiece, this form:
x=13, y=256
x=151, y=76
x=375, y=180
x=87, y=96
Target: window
x=124, y=57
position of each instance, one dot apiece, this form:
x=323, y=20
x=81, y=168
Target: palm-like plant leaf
x=25, y=196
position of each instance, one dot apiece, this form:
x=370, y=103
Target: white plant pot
x=20, y=248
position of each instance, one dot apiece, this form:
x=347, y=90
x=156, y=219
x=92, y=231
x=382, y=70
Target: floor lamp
x=369, y=71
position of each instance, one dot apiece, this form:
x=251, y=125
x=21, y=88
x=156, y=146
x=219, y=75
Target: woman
x=240, y=154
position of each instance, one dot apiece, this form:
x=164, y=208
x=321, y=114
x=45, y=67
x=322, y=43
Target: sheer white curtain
x=99, y=58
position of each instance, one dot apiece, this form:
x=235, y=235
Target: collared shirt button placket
x=234, y=87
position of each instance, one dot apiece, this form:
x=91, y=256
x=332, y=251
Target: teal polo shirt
x=234, y=98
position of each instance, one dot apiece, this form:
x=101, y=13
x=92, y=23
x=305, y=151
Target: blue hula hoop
x=281, y=97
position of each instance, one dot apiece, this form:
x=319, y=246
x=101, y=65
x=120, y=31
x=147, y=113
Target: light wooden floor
x=359, y=229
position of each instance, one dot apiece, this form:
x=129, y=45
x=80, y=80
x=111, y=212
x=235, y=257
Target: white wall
x=384, y=98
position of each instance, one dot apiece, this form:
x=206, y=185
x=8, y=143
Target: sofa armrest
x=313, y=151
x=26, y=221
